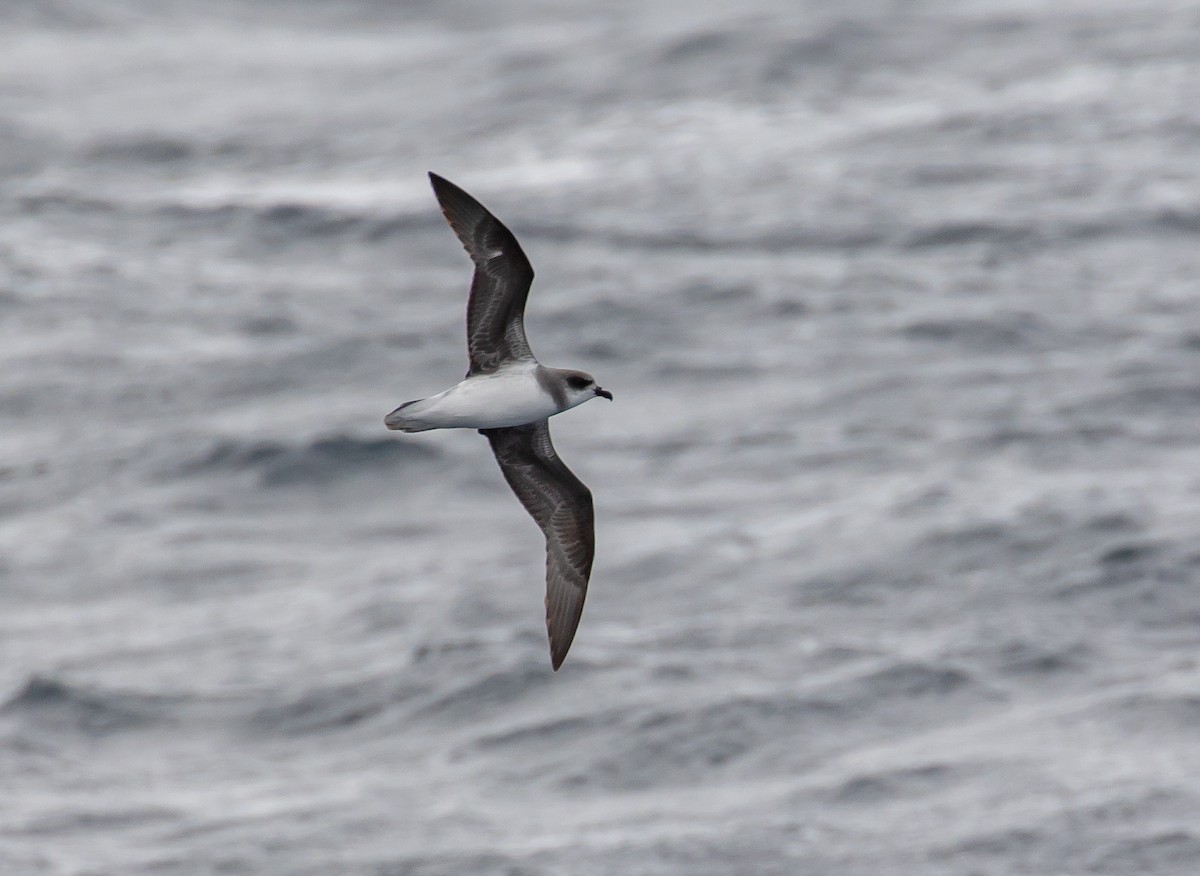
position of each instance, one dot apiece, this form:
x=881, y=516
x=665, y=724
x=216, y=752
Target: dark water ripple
x=47, y=706
x=281, y=464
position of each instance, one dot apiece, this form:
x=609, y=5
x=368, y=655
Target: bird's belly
x=491, y=402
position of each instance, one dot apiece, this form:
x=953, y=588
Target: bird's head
x=581, y=387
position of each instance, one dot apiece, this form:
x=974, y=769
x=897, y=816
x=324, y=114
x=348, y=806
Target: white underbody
x=510, y=396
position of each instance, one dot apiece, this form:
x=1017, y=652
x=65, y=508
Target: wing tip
x=461, y=210
x=559, y=649
x=441, y=185
x=561, y=632
x=558, y=652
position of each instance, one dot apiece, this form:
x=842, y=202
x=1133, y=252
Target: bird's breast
x=509, y=397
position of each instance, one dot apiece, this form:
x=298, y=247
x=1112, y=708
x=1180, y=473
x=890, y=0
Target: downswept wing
x=496, y=308
x=562, y=506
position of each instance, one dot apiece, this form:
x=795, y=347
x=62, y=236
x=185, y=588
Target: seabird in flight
x=509, y=397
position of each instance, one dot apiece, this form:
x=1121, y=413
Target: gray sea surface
x=897, y=504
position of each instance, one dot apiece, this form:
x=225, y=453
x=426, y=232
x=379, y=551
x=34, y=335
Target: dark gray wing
x=562, y=507
x=496, y=309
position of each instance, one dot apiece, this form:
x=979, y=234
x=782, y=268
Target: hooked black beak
x=604, y=393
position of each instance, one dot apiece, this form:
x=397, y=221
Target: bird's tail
x=406, y=418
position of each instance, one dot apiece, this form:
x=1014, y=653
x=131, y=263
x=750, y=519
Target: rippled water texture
x=897, y=502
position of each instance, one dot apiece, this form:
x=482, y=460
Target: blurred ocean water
x=897, y=502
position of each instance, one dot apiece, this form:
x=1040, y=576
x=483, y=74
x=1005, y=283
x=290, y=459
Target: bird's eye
x=577, y=382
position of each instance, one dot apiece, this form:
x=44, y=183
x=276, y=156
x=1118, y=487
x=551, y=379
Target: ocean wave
x=756, y=734
x=982, y=545
x=1034, y=660
x=855, y=586
x=1167, y=398
x=54, y=705
x=905, y=783
x=1174, y=850
x=139, y=150
x=1022, y=234
x=768, y=241
x=549, y=732
x=106, y=820
x=905, y=682
x=1053, y=443
x=999, y=332
x=1154, y=713
x=332, y=708
x=1181, y=221
x=266, y=221
x=966, y=233
x=1007, y=844
x=68, y=14
x=682, y=745
x=297, y=222
x=495, y=690
x=1070, y=836
x=316, y=461
x=22, y=153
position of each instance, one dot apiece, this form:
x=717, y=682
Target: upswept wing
x=562, y=506
x=496, y=309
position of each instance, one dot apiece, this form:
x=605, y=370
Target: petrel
x=509, y=397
